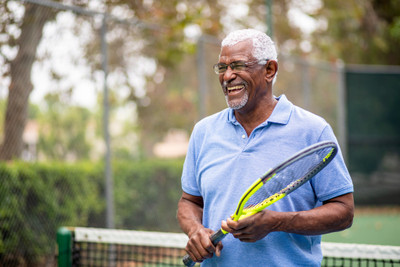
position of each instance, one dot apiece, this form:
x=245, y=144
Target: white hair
x=263, y=46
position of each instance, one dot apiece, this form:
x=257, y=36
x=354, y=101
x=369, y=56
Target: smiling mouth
x=234, y=89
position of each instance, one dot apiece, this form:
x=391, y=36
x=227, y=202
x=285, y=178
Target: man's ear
x=272, y=70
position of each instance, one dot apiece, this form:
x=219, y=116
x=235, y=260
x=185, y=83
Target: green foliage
x=3, y=104
x=359, y=32
x=147, y=193
x=36, y=199
x=177, y=95
x=62, y=133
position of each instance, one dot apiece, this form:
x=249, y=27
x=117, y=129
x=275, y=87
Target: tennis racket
x=278, y=183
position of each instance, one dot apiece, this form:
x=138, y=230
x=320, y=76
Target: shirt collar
x=282, y=111
x=280, y=114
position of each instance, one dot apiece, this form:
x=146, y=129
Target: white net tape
x=342, y=250
x=129, y=237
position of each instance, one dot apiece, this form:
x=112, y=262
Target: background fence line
x=76, y=156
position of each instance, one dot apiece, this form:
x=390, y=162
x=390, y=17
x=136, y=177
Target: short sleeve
x=188, y=180
x=334, y=180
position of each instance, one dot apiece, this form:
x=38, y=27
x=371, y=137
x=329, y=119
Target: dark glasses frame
x=221, y=68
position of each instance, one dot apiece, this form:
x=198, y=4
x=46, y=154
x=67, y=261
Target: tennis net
x=340, y=254
x=122, y=248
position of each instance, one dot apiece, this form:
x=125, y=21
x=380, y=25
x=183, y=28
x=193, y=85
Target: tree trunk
x=21, y=86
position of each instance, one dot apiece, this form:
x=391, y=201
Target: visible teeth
x=235, y=87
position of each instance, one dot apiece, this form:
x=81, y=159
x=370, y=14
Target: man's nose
x=229, y=74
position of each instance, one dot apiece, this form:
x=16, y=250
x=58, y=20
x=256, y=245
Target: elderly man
x=232, y=148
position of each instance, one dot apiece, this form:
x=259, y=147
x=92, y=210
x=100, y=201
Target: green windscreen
x=373, y=120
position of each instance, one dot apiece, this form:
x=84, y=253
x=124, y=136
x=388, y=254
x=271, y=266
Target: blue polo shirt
x=222, y=162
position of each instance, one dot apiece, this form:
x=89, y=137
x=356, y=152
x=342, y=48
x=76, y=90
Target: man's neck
x=250, y=119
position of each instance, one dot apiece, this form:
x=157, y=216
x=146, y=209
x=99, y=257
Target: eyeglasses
x=221, y=68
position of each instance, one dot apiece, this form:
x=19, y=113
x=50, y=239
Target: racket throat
x=250, y=191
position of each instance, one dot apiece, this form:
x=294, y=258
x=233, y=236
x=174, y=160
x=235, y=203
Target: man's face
x=240, y=87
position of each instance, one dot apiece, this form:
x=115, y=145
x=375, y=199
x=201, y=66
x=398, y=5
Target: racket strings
x=288, y=179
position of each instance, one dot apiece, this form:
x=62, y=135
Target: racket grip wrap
x=215, y=239
x=217, y=236
x=188, y=261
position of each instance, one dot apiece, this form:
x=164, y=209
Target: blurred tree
x=30, y=28
x=172, y=97
x=158, y=33
x=359, y=32
x=166, y=48
x=62, y=130
x=171, y=90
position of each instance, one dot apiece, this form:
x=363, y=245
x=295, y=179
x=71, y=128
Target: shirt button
x=244, y=136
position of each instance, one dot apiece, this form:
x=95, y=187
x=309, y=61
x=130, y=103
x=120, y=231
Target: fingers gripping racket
x=278, y=183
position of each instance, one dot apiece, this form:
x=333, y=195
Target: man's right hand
x=200, y=247
x=190, y=214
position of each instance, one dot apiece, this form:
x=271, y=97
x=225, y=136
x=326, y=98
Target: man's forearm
x=189, y=215
x=331, y=217
x=335, y=215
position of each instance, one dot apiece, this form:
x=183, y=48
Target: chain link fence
x=86, y=96
x=72, y=80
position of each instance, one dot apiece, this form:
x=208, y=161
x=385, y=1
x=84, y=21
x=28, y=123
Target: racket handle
x=188, y=261
x=215, y=238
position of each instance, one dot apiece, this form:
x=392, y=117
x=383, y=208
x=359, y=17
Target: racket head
x=285, y=178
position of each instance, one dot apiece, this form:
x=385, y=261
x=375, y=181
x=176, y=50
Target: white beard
x=237, y=104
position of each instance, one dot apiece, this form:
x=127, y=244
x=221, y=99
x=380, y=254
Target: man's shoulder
x=302, y=115
x=211, y=120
